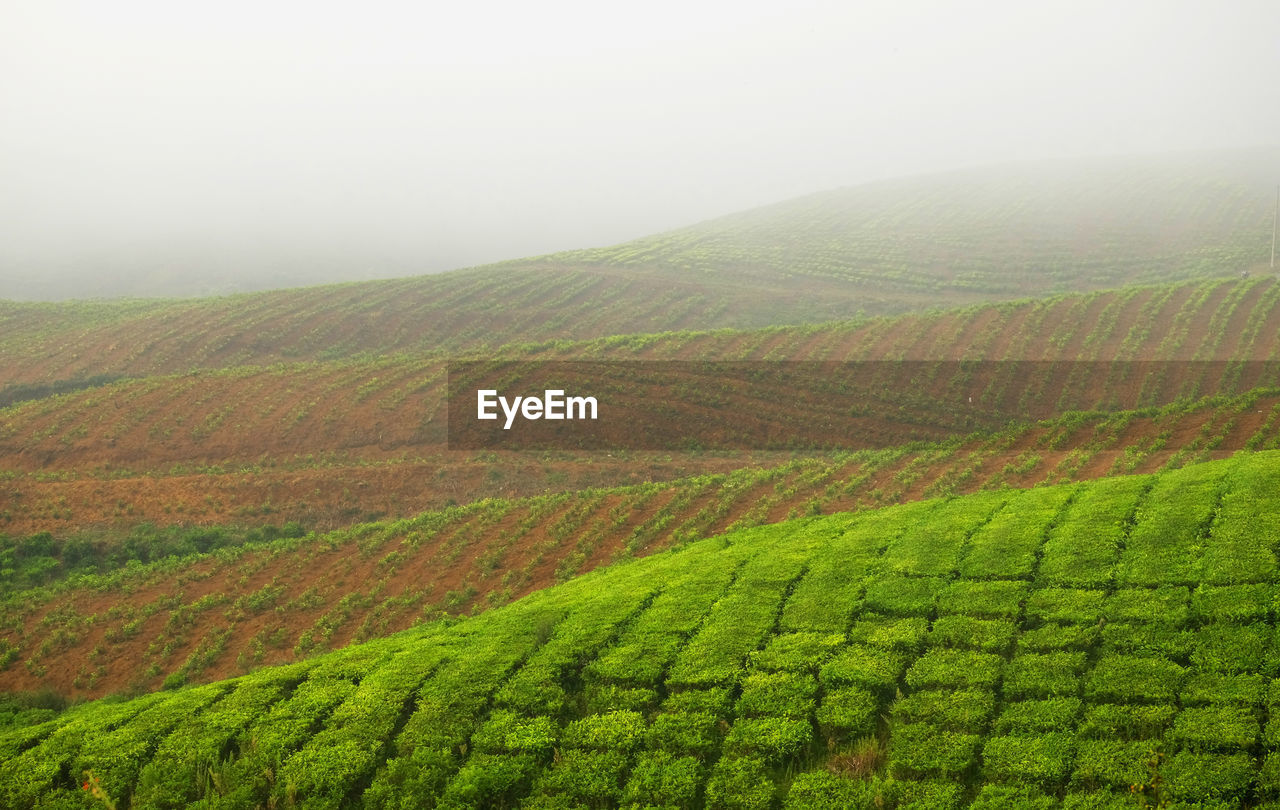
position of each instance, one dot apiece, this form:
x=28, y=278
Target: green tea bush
x=1215, y=728
x=967, y=632
x=1193, y=776
x=695, y=733
x=904, y=596
x=962, y=710
x=1152, y=640
x=997, y=599
x=587, y=776
x=615, y=731
x=903, y=635
x=1240, y=604
x=1126, y=722
x=819, y=790
x=1127, y=678
x=1231, y=648
x=715, y=702
x=1013, y=797
x=1039, y=716
x=875, y=669
x=740, y=783
x=848, y=711
x=772, y=739
x=954, y=669
x=778, y=694
x=1214, y=687
x=1044, y=758
x=1168, y=604
x=798, y=652
x=1269, y=776
x=1113, y=763
x=604, y=698
x=490, y=780
x=921, y=749
x=1053, y=637
x=506, y=731
x=1066, y=605
x=1043, y=675
x=663, y=779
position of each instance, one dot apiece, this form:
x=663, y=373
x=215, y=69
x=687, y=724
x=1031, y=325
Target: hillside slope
x=1007, y=649
x=912, y=244
x=336, y=442
x=82, y=619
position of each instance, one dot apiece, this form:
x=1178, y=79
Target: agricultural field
x=1106, y=644
x=337, y=442
x=242, y=565
x=884, y=248
x=91, y=613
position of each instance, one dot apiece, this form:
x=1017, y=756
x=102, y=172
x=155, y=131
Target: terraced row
x=1087, y=646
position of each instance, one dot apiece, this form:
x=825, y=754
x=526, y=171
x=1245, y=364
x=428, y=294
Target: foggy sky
x=246, y=144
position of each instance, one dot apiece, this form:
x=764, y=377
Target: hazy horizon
x=153, y=149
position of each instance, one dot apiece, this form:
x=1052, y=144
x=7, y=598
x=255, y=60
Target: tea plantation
x=1100, y=645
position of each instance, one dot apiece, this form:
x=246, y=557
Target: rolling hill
x=211, y=602
x=1099, y=645
x=912, y=244
x=337, y=442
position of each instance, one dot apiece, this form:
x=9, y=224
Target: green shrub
x=921, y=749
x=819, y=790
x=1043, y=758
x=848, y=711
x=875, y=669
x=1231, y=648
x=954, y=669
x=1126, y=722
x=604, y=698
x=771, y=739
x=615, y=731
x=663, y=778
x=997, y=599
x=1214, y=687
x=1168, y=604
x=903, y=635
x=588, y=776
x=1013, y=797
x=1042, y=675
x=696, y=733
x=739, y=783
x=1154, y=640
x=798, y=652
x=1233, y=603
x=712, y=701
x=962, y=710
x=1134, y=679
x=489, y=780
x=924, y=795
x=639, y=660
x=506, y=731
x=1215, y=728
x=904, y=596
x=1066, y=605
x=1114, y=763
x=1039, y=716
x=967, y=632
x=1194, y=776
x=778, y=694
x=1053, y=637
x=1269, y=776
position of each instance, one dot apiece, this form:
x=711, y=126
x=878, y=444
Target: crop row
x=772, y=665
x=345, y=585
